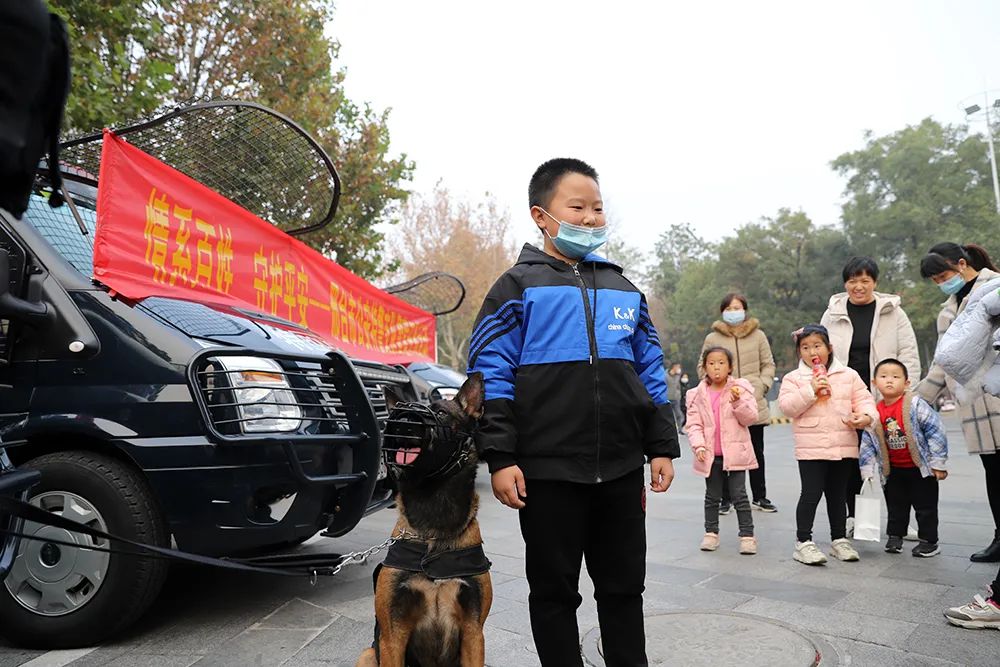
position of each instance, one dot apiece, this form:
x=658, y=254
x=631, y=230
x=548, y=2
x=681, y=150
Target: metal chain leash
x=360, y=557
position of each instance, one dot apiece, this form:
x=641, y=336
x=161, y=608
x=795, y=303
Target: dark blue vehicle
x=170, y=422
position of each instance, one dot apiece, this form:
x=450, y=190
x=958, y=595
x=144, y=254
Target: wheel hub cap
x=50, y=579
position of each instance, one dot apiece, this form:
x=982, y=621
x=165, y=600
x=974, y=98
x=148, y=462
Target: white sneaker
x=808, y=553
x=911, y=534
x=977, y=614
x=850, y=526
x=842, y=549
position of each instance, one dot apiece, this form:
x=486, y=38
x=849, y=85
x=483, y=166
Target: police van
x=217, y=430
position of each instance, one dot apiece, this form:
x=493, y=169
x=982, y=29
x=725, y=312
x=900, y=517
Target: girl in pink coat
x=828, y=402
x=720, y=409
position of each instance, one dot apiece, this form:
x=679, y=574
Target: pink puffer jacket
x=818, y=426
x=737, y=450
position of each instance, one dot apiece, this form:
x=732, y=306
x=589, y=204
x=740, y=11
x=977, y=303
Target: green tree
x=118, y=72
x=685, y=289
x=270, y=51
x=905, y=192
x=787, y=267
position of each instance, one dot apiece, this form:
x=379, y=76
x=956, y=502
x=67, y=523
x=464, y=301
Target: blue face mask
x=576, y=241
x=953, y=285
x=734, y=317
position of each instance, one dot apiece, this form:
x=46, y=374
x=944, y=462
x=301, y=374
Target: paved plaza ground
x=882, y=611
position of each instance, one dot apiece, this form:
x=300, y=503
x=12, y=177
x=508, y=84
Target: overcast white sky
x=712, y=113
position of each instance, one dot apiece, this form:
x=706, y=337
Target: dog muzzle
x=416, y=443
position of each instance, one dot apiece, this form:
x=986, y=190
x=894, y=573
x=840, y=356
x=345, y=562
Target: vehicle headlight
x=265, y=400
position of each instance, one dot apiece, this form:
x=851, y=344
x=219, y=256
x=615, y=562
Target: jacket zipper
x=593, y=359
x=737, y=342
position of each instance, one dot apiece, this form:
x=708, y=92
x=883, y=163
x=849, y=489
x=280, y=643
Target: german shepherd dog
x=433, y=591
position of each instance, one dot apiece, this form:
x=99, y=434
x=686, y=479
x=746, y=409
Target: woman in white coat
x=866, y=327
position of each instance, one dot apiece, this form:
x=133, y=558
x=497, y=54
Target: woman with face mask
x=753, y=361
x=960, y=270
x=866, y=327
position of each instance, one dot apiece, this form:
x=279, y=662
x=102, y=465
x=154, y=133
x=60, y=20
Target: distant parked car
x=435, y=381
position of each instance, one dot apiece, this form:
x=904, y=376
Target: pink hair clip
x=797, y=333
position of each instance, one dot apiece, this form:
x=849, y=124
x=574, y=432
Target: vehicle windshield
x=59, y=228
x=438, y=374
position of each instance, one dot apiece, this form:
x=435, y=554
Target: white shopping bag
x=867, y=515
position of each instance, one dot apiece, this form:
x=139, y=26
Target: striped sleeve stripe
x=500, y=317
x=474, y=355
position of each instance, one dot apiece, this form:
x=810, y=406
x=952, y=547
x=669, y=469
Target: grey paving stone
x=339, y=644
x=850, y=625
x=667, y=596
x=515, y=589
x=861, y=654
x=776, y=590
x=671, y=574
x=257, y=647
x=297, y=614
x=508, y=649
x=515, y=620
x=921, y=571
x=840, y=579
x=148, y=660
x=12, y=657
x=939, y=639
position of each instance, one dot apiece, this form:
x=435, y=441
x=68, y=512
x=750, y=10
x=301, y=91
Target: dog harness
x=412, y=556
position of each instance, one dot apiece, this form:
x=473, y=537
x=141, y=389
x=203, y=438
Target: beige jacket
x=981, y=416
x=892, y=333
x=752, y=359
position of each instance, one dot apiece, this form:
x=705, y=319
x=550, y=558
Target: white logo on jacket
x=624, y=313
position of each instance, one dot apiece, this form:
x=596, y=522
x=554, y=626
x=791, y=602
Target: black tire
x=122, y=497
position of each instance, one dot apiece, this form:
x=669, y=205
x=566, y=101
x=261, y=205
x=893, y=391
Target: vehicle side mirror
x=15, y=308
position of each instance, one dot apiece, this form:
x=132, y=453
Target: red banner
x=161, y=233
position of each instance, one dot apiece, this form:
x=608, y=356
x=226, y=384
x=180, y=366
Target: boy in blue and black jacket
x=576, y=403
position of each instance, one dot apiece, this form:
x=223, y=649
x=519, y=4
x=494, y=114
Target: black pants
x=563, y=522
x=822, y=478
x=991, y=463
x=906, y=488
x=757, y=485
x=735, y=485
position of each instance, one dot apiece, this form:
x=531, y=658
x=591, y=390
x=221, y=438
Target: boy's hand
x=734, y=394
x=509, y=487
x=940, y=474
x=701, y=454
x=661, y=474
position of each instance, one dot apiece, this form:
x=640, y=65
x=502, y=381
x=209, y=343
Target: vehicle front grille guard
x=333, y=401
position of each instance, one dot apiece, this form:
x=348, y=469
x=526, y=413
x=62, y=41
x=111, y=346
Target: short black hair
x=892, y=362
x=547, y=176
x=857, y=265
x=728, y=299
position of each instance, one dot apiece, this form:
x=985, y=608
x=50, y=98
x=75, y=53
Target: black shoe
x=924, y=550
x=894, y=545
x=764, y=505
x=725, y=508
x=991, y=554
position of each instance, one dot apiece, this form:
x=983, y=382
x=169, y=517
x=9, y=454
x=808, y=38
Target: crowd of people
x=860, y=412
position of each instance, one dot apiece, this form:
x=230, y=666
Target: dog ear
x=392, y=396
x=470, y=396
